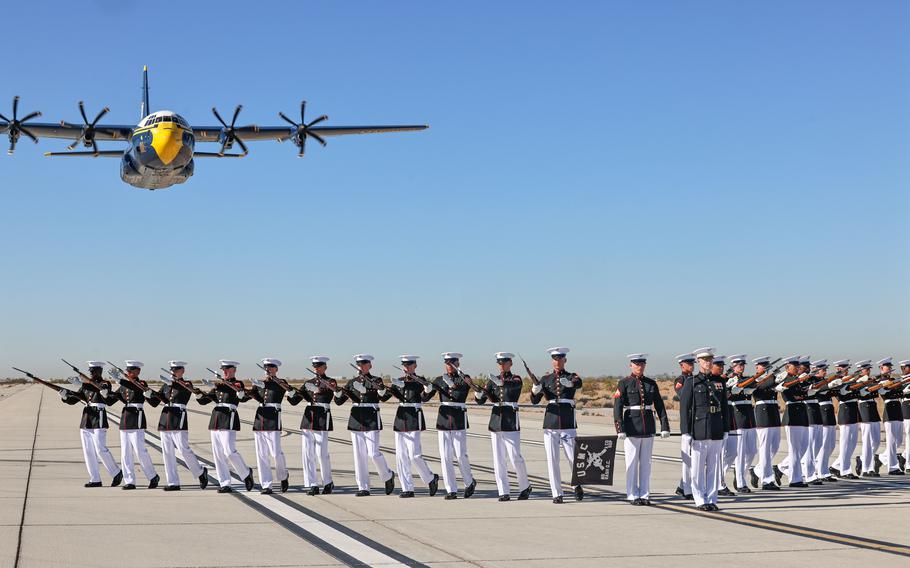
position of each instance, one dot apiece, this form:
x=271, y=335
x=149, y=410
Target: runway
x=48, y=518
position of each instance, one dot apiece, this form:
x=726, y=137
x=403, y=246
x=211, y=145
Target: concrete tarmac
x=47, y=517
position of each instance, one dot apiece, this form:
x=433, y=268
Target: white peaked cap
x=228, y=363
x=885, y=361
x=763, y=360
x=704, y=352
x=863, y=363
x=791, y=359
x=173, y=364
x=557, y=351
x=737, y=358
x=637, y=356
x=720, y=359
x=841, y=363
x=361, y=357
x=804, y=359
x=505, y=355
x=452, y=355
x=820, y=363
x=95, y=364
x=319, y=359
x=904, y=363
x=683, y=357
x=133, y=363
x=271, y=361
x=409, y=358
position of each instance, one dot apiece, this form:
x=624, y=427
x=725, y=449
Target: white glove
x=428, y=388
x=566, y=382
x=105, y=392
x=496, y=381
x=907, y=389
x=311, y=387
x=748, y=392
x=381, y=392
x=664, y=434
x=358, y=386
x=621, y=436
x=148, y=393
x=780, y=388
x=449, y=382
x=813, y=392
x=845, y=390
x=63, y=394
x=780, y=377
x=736, y=390
x=863, y=391
x=835, y=383
x=398, y=383
x=536, y=389
x=731, y=382
x=478, y=395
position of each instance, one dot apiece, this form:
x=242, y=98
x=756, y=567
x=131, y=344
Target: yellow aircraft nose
x=167, y=142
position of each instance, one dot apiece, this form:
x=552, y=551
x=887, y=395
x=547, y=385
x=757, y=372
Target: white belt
x=410, y=405
x=873, y=401
x=848, y=401
x=226, y=405
x=812, y=401
x=461, y=405
x=177, y=405
x=272, y=405
x=373, y=405
x=765, y=402
x=511, y=404
x=563, y=401
x=639, y=407
x=905, y=400
x=740, y=402
x=826, y=402
x=134, y=405
x=796, y=402
x=97, y=404
x=324, y=405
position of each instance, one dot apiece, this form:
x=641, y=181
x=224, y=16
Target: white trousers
x=848, y=435
x=685, y=448
x=224, y=450
x=366, y=447
x=132, y=442
x=553, y=440
x=797, y=448
x=706, y=455
x=894, y=433
x=768, y=441
x=268, y=447
x=173, y=441
x=826, y=447
x=508, y=444
x=638, y=467
x=453, y=444
x=94, y=448
x=906, y=440
x=813, y=445
x=871, y=433
x=316, y=444
x=746, y=448
x=408, y=452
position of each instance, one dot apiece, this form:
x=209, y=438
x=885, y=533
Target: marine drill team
x=727, y=421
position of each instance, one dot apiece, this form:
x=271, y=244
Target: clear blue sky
x=609, y=176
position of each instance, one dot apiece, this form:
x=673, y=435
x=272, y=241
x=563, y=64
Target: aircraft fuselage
x=160, y=153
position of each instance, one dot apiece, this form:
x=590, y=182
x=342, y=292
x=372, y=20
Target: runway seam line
x=28, y=481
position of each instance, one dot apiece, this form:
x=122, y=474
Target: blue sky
x=613, y=177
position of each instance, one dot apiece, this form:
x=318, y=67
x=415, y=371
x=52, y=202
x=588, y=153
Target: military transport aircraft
x=162, y=146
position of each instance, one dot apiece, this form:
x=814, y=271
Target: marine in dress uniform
x=793, y=388
x=93, y=427
x=702, y=410
x=452, y=424
x=503, y=391
x=870, y=432
x=767, y=425
x=132, y=393
x=743, y=423
x=635, y=403
x=893, y=418
x=224, y=425
x=728, y=449
x=267, y=427
x=824, y=424
x=316, y=425
x=173, y=429
x=813, y=410
x=559, y=426
x=847, y=420
x=905, y=411
x=409, y=423
x=366, y=391
x=687, y=367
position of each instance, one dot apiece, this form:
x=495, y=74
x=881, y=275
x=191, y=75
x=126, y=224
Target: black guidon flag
x=594, y=458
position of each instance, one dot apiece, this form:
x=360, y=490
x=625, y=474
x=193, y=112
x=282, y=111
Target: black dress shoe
x=390, y=484
x=225, y=489
x=703, y=507
x=266, y=491
x=450, y=496
x=362, y=493
x=713, y=507
x=744, y=489
x=93, y=484
x=558, y=500
x=284, y=483
x=877, y=463
x=117, y=479
x=778, y=474
x=204, y=478
x=579, y=493
x=406, y=494
x=172, y=488
x=646, y=502
x=895, y=472
x=153, y=482
x=689, y=497
x=248, y=481
x=635, y=502
x=525, y=493
x=901, y=461
x=874, y=474
x=434, y=485
x=469, y=490
x=851, y=476
x=799, y=484
x=725, y=491
x=128, y=487
x=680, y=492
x=817, y=482
x=329, y=487
x=834, y=471
x=504, y=498
x=314, y=490
x=831, y=479
x=770, y=487
x=753, y=478
x=858, y=465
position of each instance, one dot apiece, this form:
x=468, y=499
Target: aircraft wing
x=68, y=131
x=282, y=133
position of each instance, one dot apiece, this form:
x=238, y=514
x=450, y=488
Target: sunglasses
x=503, y=361
x=450, y=361
x=558, y=356
x=319, y=364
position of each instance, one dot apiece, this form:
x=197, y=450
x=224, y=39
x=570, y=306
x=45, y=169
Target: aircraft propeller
x=229, y=134
x=303, y=129
x=88, y=129
x=15, y=126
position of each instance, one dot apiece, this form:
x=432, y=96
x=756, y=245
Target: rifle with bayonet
x=221, y=380
x=531, y=375
x=41, y=381
x=466, y=379
x=890, y=384
x=185, y=384
x=281, y=382
x=746, y=383
x=323, y=383
x=85, y=378
x=370, y=383
x=423, y=381
x=121, y=375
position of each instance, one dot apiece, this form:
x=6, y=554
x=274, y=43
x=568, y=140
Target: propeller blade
x=242, y=145
x=223, y=147
x=29, y=117
x=218, y=116
x=82, y=112
x=281, y=114
x=302, y=146
x=236, y=112
x=103, y=112
x=94, y=147
x=15, y=106
x=317, y=137
x=12, y=147
x=29, y=134
x=74, y=144
x=318, y=120
x=8, y=120
x=302, y=112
